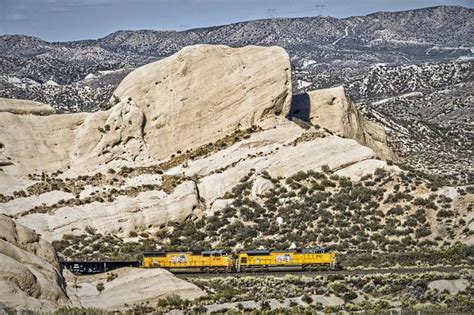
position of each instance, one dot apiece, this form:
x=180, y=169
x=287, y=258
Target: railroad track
x=281, y=273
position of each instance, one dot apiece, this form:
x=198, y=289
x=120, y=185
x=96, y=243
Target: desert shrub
x=173, y=301
x=265, y=305
x=397, y=210
x=423, y=231
x=100, y=287
x=349, y=296
x=457, y=253
x=444, y=213
x=307, y=299
x=326, y=169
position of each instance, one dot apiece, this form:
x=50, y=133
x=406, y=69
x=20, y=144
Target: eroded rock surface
x=204, y=92
x=25, y=107
x=332, y=109
x=125, y=214
x=29, y=270
x=129, y=286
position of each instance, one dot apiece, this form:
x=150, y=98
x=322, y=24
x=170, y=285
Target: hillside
x=350, y=134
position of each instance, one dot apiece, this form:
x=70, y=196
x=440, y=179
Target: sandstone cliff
x=204, y=92
x=31, y=279
x=128, y=286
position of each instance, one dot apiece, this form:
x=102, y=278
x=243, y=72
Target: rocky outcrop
x=125, y=214
x=204, y=92
x=29, y=270
x=176, y=106
x=31, y=144
x=279, y=151
x=25, y=107
x=129, y=286
x=31, y=279
x=332, y=109
x=194, y=97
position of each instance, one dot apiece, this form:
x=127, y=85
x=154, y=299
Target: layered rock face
x=25, y=107
x=121, y=216
x=205, y=92
x=32, y=144
x=29, y=270
x=194, y=97
x=149, y=285
x=332, y=109
x=30, y=278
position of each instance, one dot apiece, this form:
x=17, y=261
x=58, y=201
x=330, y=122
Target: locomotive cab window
x=243, y=260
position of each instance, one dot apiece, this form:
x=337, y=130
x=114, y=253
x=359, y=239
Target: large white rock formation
x=197, y=96
x=129, y=286
x=204, y=92
x=29, y=270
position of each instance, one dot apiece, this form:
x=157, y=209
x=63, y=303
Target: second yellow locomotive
x=306, y=259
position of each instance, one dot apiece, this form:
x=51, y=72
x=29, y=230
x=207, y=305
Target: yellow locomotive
x=306, y=259
x=252, y=260
x=206, y=261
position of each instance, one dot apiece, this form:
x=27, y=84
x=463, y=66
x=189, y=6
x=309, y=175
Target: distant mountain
x=396, y=37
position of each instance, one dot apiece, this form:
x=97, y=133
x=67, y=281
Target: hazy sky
x=61, y=20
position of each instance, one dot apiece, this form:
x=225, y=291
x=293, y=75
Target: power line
x=317, y=7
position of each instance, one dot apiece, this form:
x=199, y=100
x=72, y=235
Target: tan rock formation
x=131, y=286
x=29, y=270
x=194, y=97
x=332, y=109
x=204, y=92
x=32, y=144
x=148, y=209
x=261, y=186
x=273, y=150
x=25, y=107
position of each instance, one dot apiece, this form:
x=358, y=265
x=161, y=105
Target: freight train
x=218, y=261
x=251, y=260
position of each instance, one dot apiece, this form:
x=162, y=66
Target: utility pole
x=320, y=8
x=271, y=12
